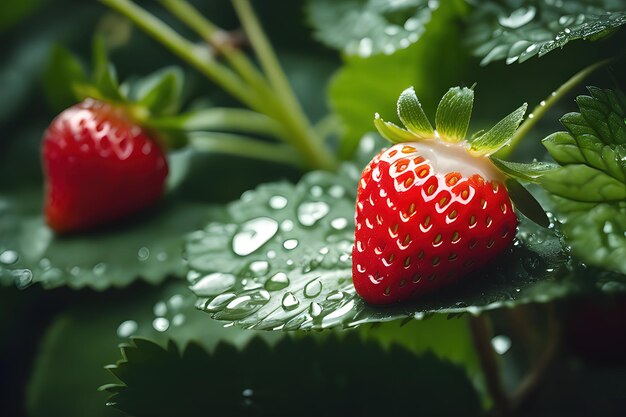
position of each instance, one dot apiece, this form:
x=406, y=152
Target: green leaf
x=104, y=74
x=412, y=115
x=85, y=337
x=161, y=92
x=526, y=203
x=530, y=172
x=63, y=72
x=515, y=32
x=283, y=261
x=392, y=132
x=364, y=86
x=454, y=113
x=366, y=27
x=338, y=371
x=590, y=185
x=499, y=135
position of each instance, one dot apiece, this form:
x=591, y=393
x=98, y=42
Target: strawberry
x=99, y=167
x=433, y=207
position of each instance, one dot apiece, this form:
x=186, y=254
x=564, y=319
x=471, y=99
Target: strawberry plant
x=272, y=208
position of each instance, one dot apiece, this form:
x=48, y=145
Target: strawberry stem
x=546, y=104
x=482, y=334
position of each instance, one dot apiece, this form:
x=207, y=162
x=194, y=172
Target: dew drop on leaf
x=278, y=202
x=290, y=301
x=258, y=268
x=310, y=213
x=290, y=244
x=160, y=309
x=313, y=288
x=143, y=253
x=254, y=234
x=213, y=284
x=219, y=302
x=518, y=18
x=160, y=324
x=339, y=223
x=127, y=328
x=277, y=282
x=8, y=257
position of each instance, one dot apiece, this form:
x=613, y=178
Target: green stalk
x=238, y=145
x=185, y=50
x=546, y=104
x=221, y=119
x=210, y=32
x=296, y=121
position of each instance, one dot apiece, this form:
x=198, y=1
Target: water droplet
x=176, y=301
x=290, y=301
x=315, y=310
x=365, y=47
x=178, y=319
x=247, y=393
x=309, y=213
x=160, y=309
x=290, y=244
x=161, y=256
x=9, y=257
x=316, y=191
x=219, y=302
x=75, y=271
x=278, y=202
x=271, y=254
x=286, y=226
x=337, y=191
x=313, y=288
x=246, y=303
x=213, y=284
x=518, y=18
x=127, y=328
x=254, y=234
x=338, y=315
x=143, y=253
x=23, y=278
x=277, y=282
x=259, y=268
x=99, y=269
x=335, y=296
x=160, y=324
x=501, y=344
x=339, y=223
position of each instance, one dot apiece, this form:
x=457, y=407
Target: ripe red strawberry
x=427, y=214
x=99, y=166
x=433, y=207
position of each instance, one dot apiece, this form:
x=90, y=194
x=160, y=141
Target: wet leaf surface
x=283, y=261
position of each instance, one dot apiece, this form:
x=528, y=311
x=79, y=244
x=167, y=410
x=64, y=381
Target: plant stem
x=185, y=50
x=222, y=119
x=238, y=145
x=481, y=337
x=309, y=143
x=210, y=32
x=532, y=379
x=546, y=104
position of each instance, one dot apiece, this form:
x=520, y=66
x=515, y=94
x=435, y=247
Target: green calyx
x=452, y=122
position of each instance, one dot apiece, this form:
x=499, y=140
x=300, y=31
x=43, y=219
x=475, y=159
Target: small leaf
x=161, y=91
x=104, y=74
x=454, y=113
x=526, y=203
x=265, y=381
x=585, y=184
x=499, y=135
x=412, y=115
x=392, y=132
x=63, y=72
x=531, y=172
